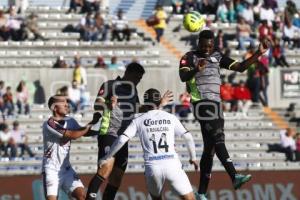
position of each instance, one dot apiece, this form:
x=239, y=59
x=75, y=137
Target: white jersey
x=56, y=149
x=156, y=130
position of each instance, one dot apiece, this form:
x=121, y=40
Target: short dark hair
x=134, y=67
x=206, y=34
x=15, y=123
x=152, y=96
x=53, y=99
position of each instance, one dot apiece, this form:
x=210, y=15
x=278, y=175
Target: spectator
x=288, y=143
x=120, y=26
x=8, y=102
x=100, y=63
x=243, y=96
x=20, y=139
x=256, y=11
x=74, y=4
x=264, y=79
x=272, y=4
x=88, y=29
x=296, y=20
x=22, y=98
x=226, y=12
x=74, y=94
x=160, y=27
x=290, y=10
x=278, y=25
x=177, y=6
x=247, y=13
x=208, y=7
x=253, y=78
x=32, y=26
x=239, y=7
x=6, y=142
x=16, y=26
x=291, y=35
x=90, y=6
x=4, y=30
x=265, y=32
x=278, y=54
x=20, y=5
x=227, y=95
x=266, y=13
x=114, y=63
x=79, y=73
x=101, y=26
x=220, y=43
x=190, y=5
x=243, y=33
x=185, y=105
x=60, y=63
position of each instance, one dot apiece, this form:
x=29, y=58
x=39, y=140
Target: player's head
x=134, y=72
x=206, y=43
x=152, y=97
x=58, y=105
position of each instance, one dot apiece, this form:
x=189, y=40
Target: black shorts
x=121, y=157
x=210, y=116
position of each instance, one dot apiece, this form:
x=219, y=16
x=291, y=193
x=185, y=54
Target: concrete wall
x=162, y=79
x=52, y=79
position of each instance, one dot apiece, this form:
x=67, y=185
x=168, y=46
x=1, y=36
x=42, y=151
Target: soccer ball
x=193, y=21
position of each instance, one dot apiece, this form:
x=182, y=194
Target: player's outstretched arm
x=242, y=66
x=191, y=148
x=72, y=135
x=63, y=133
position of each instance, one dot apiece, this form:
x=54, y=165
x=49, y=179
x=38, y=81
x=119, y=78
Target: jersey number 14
x=162, y=144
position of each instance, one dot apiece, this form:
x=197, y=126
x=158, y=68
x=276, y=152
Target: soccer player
x=114, y=123
x=200, y=69
x=157, y=130
x=58, y=131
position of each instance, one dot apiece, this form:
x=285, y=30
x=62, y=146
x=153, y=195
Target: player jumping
x=200, y=69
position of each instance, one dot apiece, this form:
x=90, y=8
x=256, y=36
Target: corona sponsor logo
x=149, y=122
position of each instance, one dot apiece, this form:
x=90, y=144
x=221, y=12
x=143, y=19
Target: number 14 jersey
x=156, y=130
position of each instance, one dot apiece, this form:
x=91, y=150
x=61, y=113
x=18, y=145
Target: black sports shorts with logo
x=210, y=116
x=121, y=157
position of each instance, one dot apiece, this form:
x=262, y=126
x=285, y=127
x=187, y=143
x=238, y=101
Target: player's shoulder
x=189, y=53
x=217, y=55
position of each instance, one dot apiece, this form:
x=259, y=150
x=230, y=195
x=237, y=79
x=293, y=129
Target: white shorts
x=158, y=172
x=67, y=180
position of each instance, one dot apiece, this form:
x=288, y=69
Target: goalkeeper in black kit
x=200, y=70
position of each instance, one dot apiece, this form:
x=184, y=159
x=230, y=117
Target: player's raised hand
x=264, y=46
x=194, y=162
x=166, y=98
